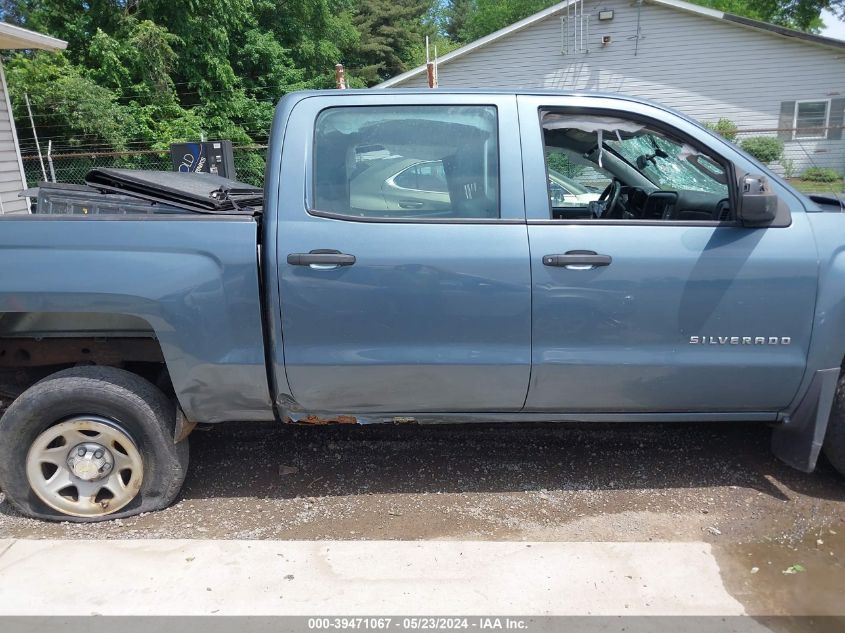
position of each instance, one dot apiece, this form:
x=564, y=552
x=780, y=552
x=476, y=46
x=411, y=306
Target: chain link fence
x=72, y=167
x=798, y=155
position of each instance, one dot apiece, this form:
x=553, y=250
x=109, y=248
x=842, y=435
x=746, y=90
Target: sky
x=834, y=27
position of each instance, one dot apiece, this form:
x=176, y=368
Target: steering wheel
x=611, y=195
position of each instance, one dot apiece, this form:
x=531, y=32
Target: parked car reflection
x=396, y=183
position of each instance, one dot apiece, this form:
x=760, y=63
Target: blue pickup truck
x=420, y=257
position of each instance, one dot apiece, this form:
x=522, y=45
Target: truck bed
x=191, y=279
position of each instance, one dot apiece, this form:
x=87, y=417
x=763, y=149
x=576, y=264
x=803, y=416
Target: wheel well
x=35, y=345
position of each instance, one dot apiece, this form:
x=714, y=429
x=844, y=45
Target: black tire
x=131, y=401
x=834, y=441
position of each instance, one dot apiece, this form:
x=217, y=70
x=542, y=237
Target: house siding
x=11, y=177
x=703, y=67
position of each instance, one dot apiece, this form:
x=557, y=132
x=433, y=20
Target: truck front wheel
x=90, y=443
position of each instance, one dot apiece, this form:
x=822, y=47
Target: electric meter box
x=212, y=157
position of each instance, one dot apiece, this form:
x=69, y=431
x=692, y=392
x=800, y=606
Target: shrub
x=561, y=163
x=766, y=149
x=821, y=174
x=723, y=127
x=788, y=167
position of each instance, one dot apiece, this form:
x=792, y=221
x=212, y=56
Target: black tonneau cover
x=200, y=192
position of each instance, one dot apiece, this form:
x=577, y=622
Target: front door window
x=629, y=170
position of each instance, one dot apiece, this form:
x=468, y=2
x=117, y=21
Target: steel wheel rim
x=90, y=484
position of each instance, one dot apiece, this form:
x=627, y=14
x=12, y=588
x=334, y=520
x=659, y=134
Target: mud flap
x=183, y=426
x=798, y=440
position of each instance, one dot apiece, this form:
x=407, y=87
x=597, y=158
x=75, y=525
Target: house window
x=811, y=119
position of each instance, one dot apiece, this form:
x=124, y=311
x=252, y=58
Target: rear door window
x=407, y=162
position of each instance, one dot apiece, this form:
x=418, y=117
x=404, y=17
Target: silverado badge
x=740, y=340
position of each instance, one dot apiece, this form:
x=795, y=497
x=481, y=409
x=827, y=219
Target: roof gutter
x=785, y=32
x=16, y=37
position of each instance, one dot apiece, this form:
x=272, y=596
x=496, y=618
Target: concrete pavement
x=196, y=577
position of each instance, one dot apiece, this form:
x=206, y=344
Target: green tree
x=456, y=13
x=144, y=73
x=317, y=33
x=179, y=70
x=803, y=15
x=73, y=20
x=389, y=30
x=797, y=14
x=67, y=103
x=487, y=16
x=136, y=61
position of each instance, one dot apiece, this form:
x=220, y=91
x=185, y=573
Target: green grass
x=811, y=186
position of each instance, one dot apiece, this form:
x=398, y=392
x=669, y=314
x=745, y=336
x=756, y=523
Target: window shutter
x=786, y=120
x=836, y=116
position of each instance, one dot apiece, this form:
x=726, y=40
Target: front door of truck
x=403, y=255
x=655, y=299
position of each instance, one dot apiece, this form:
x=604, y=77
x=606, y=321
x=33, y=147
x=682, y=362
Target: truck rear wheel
x=834, y=441
x=88, y=444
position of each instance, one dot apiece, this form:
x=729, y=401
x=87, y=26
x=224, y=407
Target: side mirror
x=758, y=206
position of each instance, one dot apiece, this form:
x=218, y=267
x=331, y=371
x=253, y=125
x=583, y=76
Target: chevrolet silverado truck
x=409, y=262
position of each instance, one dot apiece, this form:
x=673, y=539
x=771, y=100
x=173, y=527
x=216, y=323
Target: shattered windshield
x=669, y=164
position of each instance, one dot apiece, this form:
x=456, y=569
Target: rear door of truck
x=402, y=253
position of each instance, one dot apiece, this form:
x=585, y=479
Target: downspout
x=639, y=29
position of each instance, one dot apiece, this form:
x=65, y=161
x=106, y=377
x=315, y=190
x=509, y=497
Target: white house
x=12, y=179
x=708, y=64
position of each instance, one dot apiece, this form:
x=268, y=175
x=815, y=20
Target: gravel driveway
x=657, y=482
